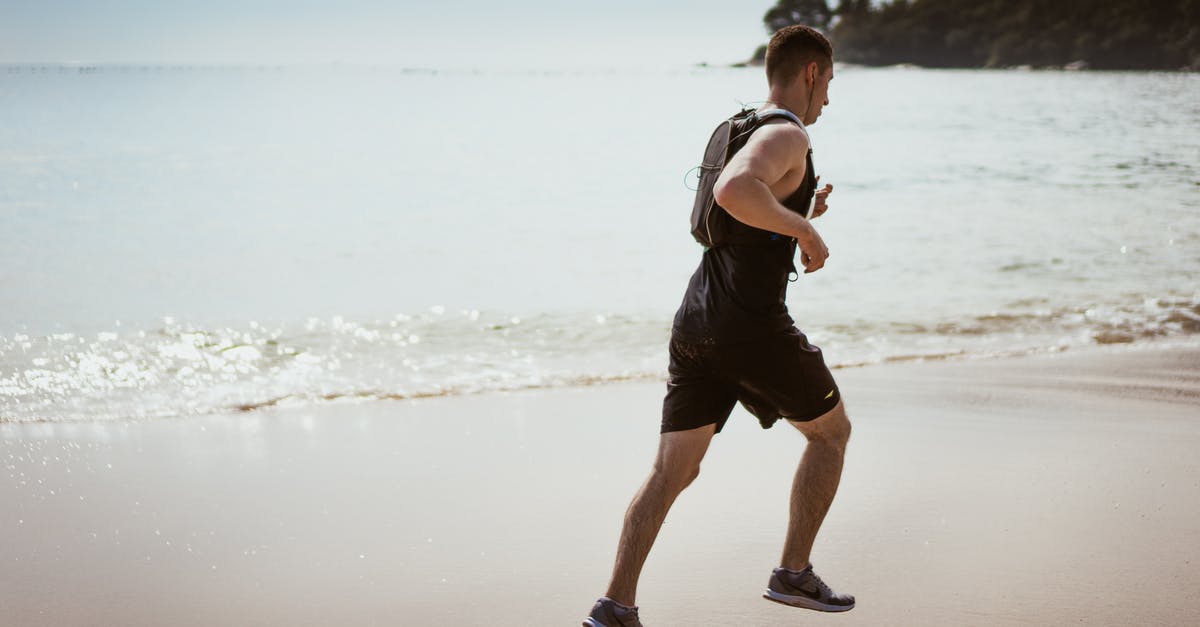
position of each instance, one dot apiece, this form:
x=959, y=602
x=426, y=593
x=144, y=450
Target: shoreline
x=288, y=403
x=1031, y=490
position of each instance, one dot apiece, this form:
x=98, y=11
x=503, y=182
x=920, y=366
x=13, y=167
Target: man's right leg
x=676, y=465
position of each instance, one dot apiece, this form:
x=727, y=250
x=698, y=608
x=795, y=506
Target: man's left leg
x=816, y=482
x=813, y=489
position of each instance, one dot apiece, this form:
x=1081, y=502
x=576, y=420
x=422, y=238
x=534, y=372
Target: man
x=733, y=340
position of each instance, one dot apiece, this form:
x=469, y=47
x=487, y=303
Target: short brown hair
x=791, y=49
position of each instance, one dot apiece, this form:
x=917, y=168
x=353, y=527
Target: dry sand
x=1050, y=490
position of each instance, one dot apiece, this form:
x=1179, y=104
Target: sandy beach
x=1045, y=490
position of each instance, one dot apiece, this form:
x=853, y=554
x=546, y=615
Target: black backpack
x=710, y=222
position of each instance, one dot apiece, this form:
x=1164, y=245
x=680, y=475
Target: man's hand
x=813, y=252
x=822, y=196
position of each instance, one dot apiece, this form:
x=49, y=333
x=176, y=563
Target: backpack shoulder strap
x=779, y=113
x=767, y=114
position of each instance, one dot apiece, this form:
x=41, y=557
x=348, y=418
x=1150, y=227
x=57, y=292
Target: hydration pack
x=711, y=224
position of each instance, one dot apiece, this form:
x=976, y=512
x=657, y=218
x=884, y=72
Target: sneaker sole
x=804, y=602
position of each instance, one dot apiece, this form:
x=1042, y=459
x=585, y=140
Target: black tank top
x=737, y=294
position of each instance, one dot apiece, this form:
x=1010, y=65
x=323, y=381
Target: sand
x=1047, y=490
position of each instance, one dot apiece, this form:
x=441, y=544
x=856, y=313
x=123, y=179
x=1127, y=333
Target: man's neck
x=776, y=101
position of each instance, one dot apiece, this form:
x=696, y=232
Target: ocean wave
x=183, y=369
x=180, y=368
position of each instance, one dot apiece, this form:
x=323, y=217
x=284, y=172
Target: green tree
x=814, y=13
x=1105, y=34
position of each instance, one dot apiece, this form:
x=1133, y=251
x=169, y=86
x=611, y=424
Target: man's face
x=819, y=96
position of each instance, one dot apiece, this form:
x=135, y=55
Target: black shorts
x=782, y=376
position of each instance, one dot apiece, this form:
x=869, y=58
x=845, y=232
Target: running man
x=733, y=341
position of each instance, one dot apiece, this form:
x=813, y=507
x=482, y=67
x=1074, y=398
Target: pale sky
x=449, y=34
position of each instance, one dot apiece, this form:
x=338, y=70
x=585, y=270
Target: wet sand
x=1047, y=490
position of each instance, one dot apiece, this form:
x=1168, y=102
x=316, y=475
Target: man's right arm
x=744, y=188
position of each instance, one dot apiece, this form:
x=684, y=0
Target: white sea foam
x=180, y=369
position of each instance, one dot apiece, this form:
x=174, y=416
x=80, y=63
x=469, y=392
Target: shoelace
x=822, y=587
x=816, y=581
x=632, y=613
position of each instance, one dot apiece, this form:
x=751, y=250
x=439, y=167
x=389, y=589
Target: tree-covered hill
x=1100, y=34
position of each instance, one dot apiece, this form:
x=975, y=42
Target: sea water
x=189, y=240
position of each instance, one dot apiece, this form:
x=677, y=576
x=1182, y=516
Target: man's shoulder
x=781, y=131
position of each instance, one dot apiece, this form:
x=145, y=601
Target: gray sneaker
x=607, y=613
x=805, y=589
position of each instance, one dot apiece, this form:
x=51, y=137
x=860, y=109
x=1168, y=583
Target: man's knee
x=675, y=475
x=678, y=462
x=832, y=427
